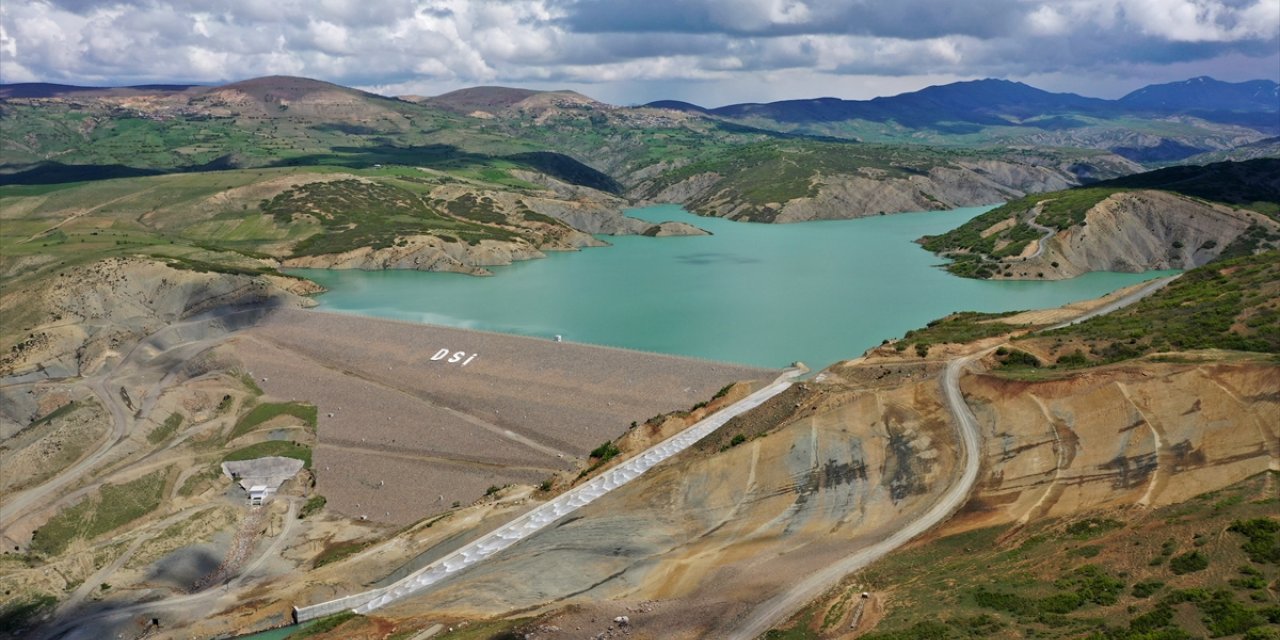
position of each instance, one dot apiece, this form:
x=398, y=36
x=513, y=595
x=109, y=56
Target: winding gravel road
x=778, y=608
x=786, y=604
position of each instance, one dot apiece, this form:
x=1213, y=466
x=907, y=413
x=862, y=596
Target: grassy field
x=113, y=507
x=1230, y=304
x=281, y=448
x=269, y=410
x=1200, y=569
x=230, y=221
x=166, y=429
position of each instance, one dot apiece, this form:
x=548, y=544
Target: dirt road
x=785, y=604
x=970, y=440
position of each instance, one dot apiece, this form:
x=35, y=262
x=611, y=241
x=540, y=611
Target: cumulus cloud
x=652, y=46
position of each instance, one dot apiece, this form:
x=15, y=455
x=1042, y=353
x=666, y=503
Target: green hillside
x=1207, y=568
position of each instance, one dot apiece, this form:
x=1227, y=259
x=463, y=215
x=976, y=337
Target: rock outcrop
x=1148, y=435
x=424, y=253
x=1140, y=231
x=871, y=191
x=85, y=313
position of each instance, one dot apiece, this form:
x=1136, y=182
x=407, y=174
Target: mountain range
x=969, y=107
x=709, y=159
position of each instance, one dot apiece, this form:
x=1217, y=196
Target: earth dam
x=755, y=294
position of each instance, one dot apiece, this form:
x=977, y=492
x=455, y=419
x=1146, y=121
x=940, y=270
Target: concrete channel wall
x=545, y=514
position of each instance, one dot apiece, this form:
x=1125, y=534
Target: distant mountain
x=1221, y=116
x=979, y=102
x=49, y=90
x=494, y=100
x=960, y=107
x=1205, y=93
x=676, y=105
x=473, y=99
x=278, y=89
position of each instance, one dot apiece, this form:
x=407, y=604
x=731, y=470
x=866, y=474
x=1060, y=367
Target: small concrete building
x=258, y=494
x=261, y=477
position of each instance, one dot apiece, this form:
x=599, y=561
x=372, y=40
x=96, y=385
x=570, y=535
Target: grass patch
x=282, y=448
x=19, y=612
x=113, y=507
x=340, y=551
x=65, y=410
x=165, y=430
x=314, y=504
x=269, y=410
x=325, y=624
x=958, y=328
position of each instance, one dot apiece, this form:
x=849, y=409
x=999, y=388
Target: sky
x=711, y=52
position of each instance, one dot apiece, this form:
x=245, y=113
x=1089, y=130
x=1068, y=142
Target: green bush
x=1017, y=358
x=313, y=504
x=1189, y=563
x=1263, y=539
x=605, y=452
x=1074, y=359
x=1147, y=588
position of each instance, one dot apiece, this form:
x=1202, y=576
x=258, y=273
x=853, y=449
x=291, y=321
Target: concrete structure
x=545, y=514
x=261, y=477
x=258, y=494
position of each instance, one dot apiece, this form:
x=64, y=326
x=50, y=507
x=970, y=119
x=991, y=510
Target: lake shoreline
x=760, y=295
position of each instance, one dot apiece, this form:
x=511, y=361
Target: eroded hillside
x=1175, y=218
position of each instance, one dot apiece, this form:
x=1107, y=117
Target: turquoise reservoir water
x=751, y=293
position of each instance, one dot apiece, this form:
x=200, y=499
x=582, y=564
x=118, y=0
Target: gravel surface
x=407, y=429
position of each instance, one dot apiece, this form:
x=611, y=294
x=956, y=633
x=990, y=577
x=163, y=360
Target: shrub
x=1263, y=544
x=314, y=504
x=1147, y=588
x=1074, y=359
x=1018, y=358
x=1189, y=563
x=605, y=452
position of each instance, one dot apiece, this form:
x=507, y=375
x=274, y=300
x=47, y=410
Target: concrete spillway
x=545, y=514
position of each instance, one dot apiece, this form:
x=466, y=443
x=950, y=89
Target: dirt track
x=410, y=435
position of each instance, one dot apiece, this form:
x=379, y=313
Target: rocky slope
x=868, y=191
x=1140, y=231
x=1173, y=218
x=76, y=318
x=819, y=472
x=1149, y=435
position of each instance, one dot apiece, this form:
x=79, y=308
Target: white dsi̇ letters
x=460, y=358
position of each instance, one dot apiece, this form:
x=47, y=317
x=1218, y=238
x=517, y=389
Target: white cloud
x=439, y=43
